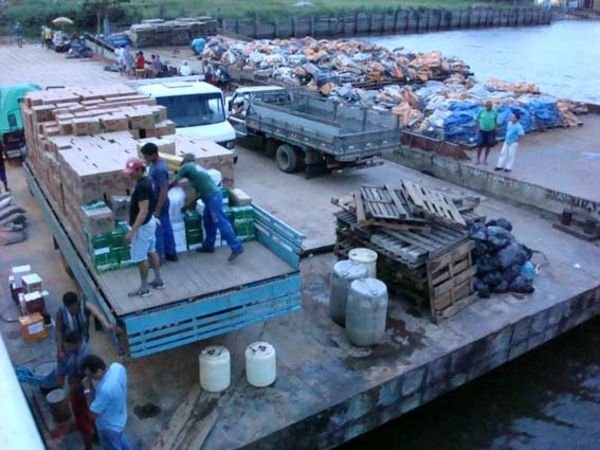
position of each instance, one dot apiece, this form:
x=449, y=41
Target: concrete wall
x=402, y=394
x=399, y=21
x=494, y=184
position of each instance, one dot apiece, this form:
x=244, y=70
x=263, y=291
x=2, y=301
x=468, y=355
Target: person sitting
x=185, y=70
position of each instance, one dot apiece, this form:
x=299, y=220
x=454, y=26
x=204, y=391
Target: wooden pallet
x=432, y=204
x=450, y=280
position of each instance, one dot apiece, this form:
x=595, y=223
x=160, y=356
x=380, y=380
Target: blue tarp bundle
x=461, y=125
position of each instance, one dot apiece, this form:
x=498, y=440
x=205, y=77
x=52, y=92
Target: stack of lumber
x=80, y=139
x=421, y=238
x=181, y=31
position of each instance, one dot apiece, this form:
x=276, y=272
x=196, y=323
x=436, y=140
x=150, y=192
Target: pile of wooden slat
x=421, y=238
x=158, y=33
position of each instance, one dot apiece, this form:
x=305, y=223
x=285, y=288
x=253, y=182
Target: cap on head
x=132, y=165
x=149, y=149
x=187, y=158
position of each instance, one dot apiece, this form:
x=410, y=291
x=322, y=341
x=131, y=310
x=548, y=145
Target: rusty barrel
x=59, y=405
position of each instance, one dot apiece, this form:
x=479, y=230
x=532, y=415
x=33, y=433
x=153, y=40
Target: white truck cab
x=196, y=107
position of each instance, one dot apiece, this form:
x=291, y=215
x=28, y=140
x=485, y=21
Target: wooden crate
x=450, y=281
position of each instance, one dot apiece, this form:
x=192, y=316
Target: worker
x=487, y=118
x=74, y=316
x=213, y=216
x=108, y=400
x=185, y=70
x=19, y=34
x=140, y=65
x=129, y=61
x=3, y=170
x=514, y=132
x=76, y=350
x=48, y=37
x=142, y=234
x=159, y=172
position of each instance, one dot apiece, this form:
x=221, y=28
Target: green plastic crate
x=243, y=212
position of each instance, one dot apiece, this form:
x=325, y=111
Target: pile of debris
x=503, y=264
x=161, y=33
x=421, y=238
x=317, y=63
x=13, y=221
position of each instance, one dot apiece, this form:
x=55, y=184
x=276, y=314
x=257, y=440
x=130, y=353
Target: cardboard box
x=80, y=127
x=34, y=302
x=99, y=220
x=164, y=145
x=32, y=327
x=31, y=282
x=120, y=207
x=240, y=198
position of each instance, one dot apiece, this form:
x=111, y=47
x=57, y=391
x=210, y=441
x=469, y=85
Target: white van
x=196, y=107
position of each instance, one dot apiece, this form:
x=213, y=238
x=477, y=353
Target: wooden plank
x=414, y=238
x=456, y=307
x=452, y=256
x=360, y=209
x=402, y=212
x=443, y=274
x=456, y=280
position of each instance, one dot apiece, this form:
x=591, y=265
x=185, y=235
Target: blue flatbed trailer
x=205, y=296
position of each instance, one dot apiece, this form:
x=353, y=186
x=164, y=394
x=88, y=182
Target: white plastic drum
x=215, y=368
x=343, y=273
x=366, y=311
x=261, y=366
x=367, y=257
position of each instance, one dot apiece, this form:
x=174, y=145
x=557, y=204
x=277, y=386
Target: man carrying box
x=158, y=171
x=213, y=216
x=142, y=235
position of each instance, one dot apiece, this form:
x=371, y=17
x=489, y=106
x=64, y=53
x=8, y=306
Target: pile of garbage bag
x=503, y=264
x=13, y=221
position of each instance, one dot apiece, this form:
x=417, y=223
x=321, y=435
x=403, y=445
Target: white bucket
x=366, y=257
x=215, y=368
x=261, y=366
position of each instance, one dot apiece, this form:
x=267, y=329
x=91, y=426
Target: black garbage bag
x=499, y=237
x=493, y=279
x=510, y=273
x=481, y=248
x=486, y=263
x=501, y=222
x=481, y=288
x=514, y=254
x=478, y=232
x=501, y=287
x=521, y=285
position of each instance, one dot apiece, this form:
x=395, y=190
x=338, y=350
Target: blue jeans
x=113, y=440
x=165, y=242
x=214, y=218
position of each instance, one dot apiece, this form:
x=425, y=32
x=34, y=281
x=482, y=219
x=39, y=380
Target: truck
x=204, y=296
x=196, y=107
x=305, y=131
x=12, y=135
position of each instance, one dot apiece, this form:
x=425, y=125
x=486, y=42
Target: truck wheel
x=287, y=158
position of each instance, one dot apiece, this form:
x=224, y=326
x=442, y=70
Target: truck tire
x=287, y=158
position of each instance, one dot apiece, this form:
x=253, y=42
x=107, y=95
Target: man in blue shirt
x=514, y=132
x=159, y=172
x=109, y=404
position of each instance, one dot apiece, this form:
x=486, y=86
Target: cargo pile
x=13, y=221
x=323, y=64
x=422, y=242
x=431, y=93
x=79, y=140
x=161, y=33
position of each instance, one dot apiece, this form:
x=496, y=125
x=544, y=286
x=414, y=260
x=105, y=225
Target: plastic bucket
x=366, y=257
x=59, y=405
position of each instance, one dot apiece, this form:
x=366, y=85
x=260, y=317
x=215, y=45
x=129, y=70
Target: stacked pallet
x=79, y=141
x=159, y=33
x=421, y=238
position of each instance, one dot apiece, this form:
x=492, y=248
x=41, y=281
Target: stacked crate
x=181, y=31
x=243, y=222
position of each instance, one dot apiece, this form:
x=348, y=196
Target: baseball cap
x=132, y=165
x=188, y=157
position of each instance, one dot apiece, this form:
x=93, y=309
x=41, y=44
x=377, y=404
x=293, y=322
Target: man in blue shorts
x=143, y=228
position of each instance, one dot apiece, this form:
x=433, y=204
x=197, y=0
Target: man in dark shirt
x=158, y=171
x=3, y=170
x=143, y=227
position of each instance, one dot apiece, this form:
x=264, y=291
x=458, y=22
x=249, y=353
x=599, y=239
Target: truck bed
x=194, y=276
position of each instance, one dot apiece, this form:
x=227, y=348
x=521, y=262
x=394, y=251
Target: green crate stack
x=109, y=251
x=243, y=223
x=193, y=228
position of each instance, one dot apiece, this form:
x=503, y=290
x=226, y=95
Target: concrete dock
x=327, y=390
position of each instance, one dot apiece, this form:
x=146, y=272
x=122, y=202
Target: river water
x=548, y=399
x=562, y=59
